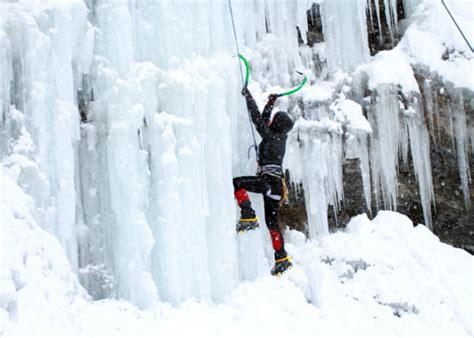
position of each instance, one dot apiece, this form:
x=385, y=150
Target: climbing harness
x=244, y=82
x=459, y=28
x=270, y=169
x=284, y=195
x=276, y=171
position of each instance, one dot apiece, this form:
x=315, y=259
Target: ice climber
x=268, y=182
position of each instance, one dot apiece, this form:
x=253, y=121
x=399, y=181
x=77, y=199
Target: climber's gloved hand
x=246, y=92
x=272, y=97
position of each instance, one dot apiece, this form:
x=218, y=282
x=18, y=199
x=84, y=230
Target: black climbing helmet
x=281, y=122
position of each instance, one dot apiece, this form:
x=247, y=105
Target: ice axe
x=294, y=90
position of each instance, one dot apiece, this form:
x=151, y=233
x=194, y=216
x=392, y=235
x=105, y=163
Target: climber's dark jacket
x=274, y=133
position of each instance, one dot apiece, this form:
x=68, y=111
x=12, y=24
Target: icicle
x=371, y=15
x=321, y=142
x=430, y=106
x=391, y=17
x=388, y=17
x=363, y=154
x=394, y=10
x=345, y=31
x=404, y=146
x=384, y=145
x=420, y=151
x=461, y=139
x=379, y=22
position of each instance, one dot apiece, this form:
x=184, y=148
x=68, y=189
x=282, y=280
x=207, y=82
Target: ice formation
x=124, y=123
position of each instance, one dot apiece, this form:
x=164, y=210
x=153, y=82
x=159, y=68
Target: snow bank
x=36, y=279
x=391, y=67
x=391, y=276
x=379, y=277
x=352, y=112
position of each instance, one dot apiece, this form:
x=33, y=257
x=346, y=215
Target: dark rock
x=315, y=25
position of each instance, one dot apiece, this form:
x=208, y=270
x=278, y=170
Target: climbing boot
x=247, y=224
x=281, y=265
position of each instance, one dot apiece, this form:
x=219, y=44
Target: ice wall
x=139, y=194
x=41, y=61
x=345, y=33
x=165, y=102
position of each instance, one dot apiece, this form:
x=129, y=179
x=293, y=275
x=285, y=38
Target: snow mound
x=378, y=277
x=36, y=279
x=385, y=276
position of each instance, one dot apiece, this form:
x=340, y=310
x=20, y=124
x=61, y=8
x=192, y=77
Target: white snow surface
x=378, y=277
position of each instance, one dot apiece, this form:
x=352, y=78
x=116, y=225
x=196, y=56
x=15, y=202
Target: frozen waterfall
x=125, y=124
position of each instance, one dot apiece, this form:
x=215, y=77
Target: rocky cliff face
x=448, y=118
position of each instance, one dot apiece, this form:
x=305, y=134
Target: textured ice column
x=251, y=246
x=168, y=264
x=188, y=100
x=283, y=17
x=96, y=249
x=391, y=16
x=420, y=151
x=168, y=32
x=379, y=22
x=193, y=97
x=133, y=239
x=220, y=221
x=6, y=78
x=363, y=155
x=345, y=31
x=321, y=143
x=194, y=190
x=384, y=144
x=17, y=148
x=43, y=52
x=191, y=209
x=65, y=127
x=119, y=104
x=431, y=106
